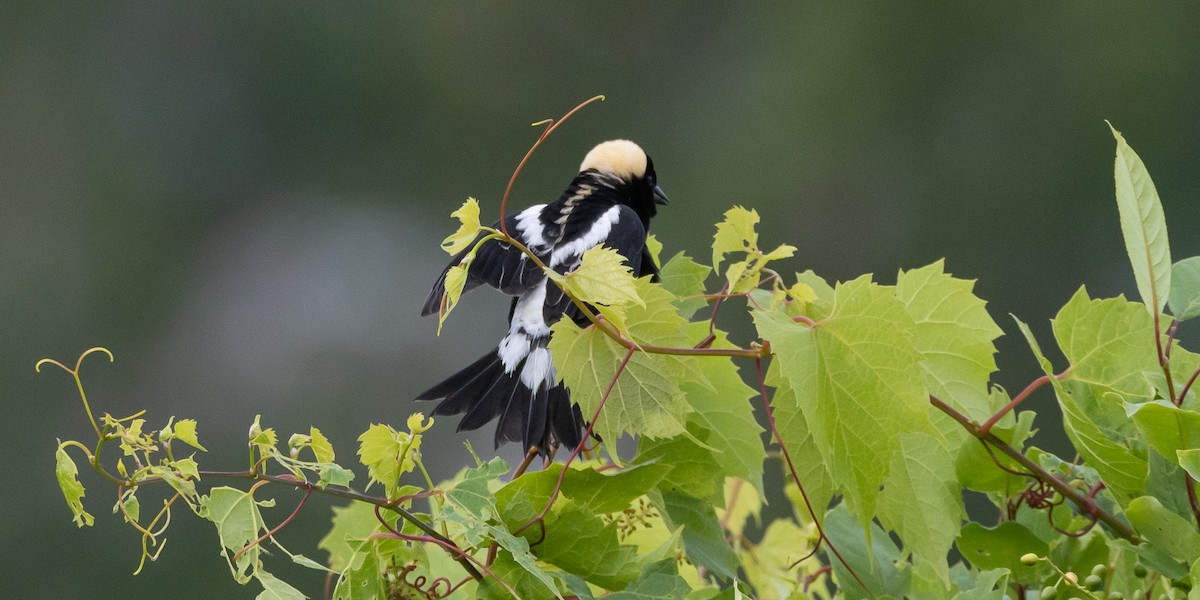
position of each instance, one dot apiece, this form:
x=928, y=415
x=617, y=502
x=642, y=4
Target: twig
x=1086, y=504
x=1029, y=389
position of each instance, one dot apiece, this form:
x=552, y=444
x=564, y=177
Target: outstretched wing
x=497, y=264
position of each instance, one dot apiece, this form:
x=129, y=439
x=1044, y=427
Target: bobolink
x=610, y=202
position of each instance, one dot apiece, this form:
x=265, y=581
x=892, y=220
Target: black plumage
x=610, y=202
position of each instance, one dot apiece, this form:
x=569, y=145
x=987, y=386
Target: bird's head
x=630, y=171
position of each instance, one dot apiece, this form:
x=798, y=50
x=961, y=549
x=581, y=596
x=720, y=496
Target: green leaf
x=802, y=448
x=68, y=480
x=990, y=585
x=1190, y=461
x=876, y=560
x=954, y=334
x=578, y=542
x=1143, y=225
x=859, y=383
x=185, y=431
x=604, y=279
x=602, y=492
x=1164, y=529
x=1110, y=345
x=659, y=581
x=684, y=278
x=1185, y=289
x=1166, y=427
x=655, y=247
x=1001, y=547
x=276, y=589
x=735, y=234
x=922, y=502
x=456, y=279
x=704, y=540
x=263, y=439
x=1123, y=471
x=387, y=454
x=470, y=492
x=646, y=399
x=722, y=404
x=238, y=521
x=351, y=523
x=321, y=447
x=468, y=229
x=771, y=566
x=694, y=469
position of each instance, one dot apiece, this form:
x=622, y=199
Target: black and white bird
x=610, y=203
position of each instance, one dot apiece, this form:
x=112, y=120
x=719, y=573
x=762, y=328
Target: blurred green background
x=245, y=204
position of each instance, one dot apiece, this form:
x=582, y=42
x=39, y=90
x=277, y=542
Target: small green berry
x=1139, y=571
x=1029, y=559
x=1093, y=582
x=1116, y=596
x=1072, y=577
x=1049, y=593
x=1099, y=570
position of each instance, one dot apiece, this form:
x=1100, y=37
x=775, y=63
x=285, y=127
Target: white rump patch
x=538, y=369
x=598, y=233
x=527, y=323
x=530, y=226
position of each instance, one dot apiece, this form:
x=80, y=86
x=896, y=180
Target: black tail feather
x=484, y=392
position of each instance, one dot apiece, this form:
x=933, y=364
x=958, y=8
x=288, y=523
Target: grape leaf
x=1001, y=547
x=1143, y=225
x=703, y=539
x=694, y=469
x=603, y=279
x=68, y=480
x=874, y=559
x=734, y=234
x=922, y=502
x=646, y=399
x=238, y=520
x=468, y=218
x=322, y=449
x=1166, y=427
x=858, y=379
x=276, y=589
x=684, y=278
x=1164, y=529
x=1110, y=345
x=1124, y=472
x=722, y=405
x=802, y=448
x=605, y=562
x=456, y=279
x=954, y=334
x=658, y=581
x=185, y=431
x=388, y=454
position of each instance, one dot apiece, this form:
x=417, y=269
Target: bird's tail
x=484, y=391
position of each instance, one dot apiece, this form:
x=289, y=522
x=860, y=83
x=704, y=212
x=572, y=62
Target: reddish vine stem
x=1086, y=504
x=787, y=457
x=1191, y=492
x=1187, y=387
x=392, y=505
x=1164, y=360
x=1029, y=389
x=551, y=126
x=448, y=547
x=276, y=529
x=1171, y=337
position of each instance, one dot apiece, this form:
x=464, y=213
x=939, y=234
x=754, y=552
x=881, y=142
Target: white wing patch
x=598, y=233
x=530, y=226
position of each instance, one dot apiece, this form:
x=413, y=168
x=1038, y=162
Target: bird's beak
x=660, y=197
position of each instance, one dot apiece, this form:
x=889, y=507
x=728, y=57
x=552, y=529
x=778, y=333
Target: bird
x=610, y=202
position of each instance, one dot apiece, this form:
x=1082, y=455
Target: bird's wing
x=497, y=264
x=619, y=229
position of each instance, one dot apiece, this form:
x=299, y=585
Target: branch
x=1085, y=503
